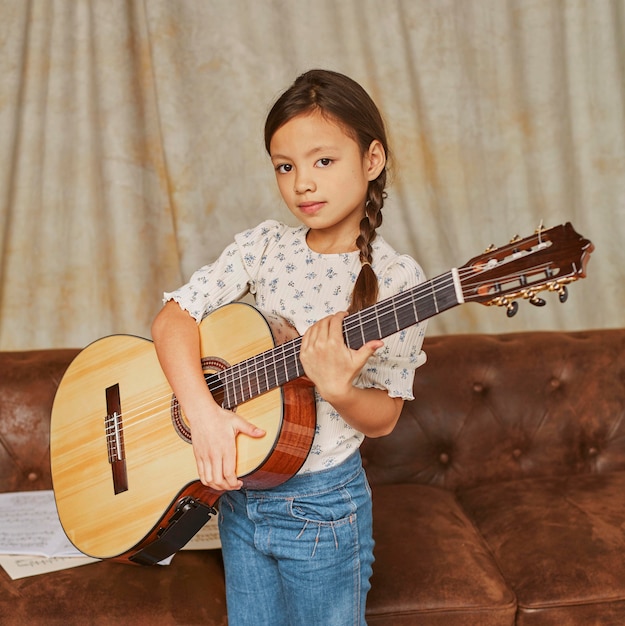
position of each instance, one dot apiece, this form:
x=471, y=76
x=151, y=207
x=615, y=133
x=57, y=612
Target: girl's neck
x=325, y=243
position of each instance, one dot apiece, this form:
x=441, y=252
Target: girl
x=302, y=552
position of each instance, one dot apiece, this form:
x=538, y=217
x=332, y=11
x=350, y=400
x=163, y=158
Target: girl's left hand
x=327, y=360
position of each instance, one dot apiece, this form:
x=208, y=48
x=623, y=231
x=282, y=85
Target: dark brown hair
x=345, y=102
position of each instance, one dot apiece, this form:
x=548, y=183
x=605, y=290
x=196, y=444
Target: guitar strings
x=396, y=303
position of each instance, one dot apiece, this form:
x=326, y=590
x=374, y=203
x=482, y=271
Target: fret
x=414, y=309
x=447, y=296
x=244, y=381
x=370, y=328
x=352, y=336
x=275, y=373
x=299, y=370
x=434, y=297
x=235, y=384
x=285, y=370
x=227, y=402
x=254, y=382
x=266, y=370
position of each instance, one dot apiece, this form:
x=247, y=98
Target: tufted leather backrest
x=28, y=382
x=487, y=407
x=499, y=407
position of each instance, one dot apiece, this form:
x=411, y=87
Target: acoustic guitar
x=123, y=470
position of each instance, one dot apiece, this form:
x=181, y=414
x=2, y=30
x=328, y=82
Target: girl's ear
x=375, y=159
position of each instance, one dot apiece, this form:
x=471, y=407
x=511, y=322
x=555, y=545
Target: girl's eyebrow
x=311, y=152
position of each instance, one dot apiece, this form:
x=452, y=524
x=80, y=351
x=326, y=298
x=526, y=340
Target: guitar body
x=123, y=469
x=120, y=448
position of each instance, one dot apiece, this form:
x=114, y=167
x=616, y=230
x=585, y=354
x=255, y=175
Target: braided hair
x=344, y=101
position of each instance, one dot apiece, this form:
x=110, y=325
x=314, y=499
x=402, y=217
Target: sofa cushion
x=432, y=567
x=189, y=591
x=28, y=382
x=559, y=543
x=492, y=408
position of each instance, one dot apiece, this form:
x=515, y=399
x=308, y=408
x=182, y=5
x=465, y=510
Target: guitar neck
x=402, y=310
x=280, y=365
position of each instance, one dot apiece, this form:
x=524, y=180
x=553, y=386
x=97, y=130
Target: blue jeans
x=299, y=554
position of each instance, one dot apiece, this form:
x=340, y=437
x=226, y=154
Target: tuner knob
x=563, y=294
x=537, y=301
x=512, y=308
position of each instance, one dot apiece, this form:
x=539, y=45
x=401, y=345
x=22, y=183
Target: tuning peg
x=563, y=294
x=536, y=301
x=512, y=308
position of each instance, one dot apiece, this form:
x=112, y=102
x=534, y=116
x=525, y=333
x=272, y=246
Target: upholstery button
x=33, y=476
x=593, y=451
x=516, y=453
x=478, y=387
x=444, y=458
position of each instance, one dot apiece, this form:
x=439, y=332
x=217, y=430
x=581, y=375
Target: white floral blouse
x=274, y=263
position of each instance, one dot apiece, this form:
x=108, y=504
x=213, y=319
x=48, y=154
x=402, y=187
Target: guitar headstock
x=547, y=260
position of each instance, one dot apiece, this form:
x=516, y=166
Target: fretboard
x=400, y=311
x=280, y=365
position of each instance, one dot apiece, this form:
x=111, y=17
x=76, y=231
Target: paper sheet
x=29, y=524
x=23, y=565
x=32, y=540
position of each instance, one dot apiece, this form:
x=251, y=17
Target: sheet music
x=24, y=565
x=29, y=524
x=32, y=539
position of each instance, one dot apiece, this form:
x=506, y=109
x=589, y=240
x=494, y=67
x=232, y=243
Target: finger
x=365, y=352
x=231, y=480
x=247, y=428
x=319, y=331
x=335, y=327
x=205, y=473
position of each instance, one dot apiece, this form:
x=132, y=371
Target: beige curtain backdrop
x=132, y=149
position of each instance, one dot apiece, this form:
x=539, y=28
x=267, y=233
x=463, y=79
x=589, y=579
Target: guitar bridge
x=114, y=429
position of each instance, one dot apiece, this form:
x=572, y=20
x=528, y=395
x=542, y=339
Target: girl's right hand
x=214, y=432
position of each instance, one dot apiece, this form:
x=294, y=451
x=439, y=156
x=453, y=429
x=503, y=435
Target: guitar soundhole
x=211, y=365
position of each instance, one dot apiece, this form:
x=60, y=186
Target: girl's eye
x=324, y=162
x=284, y=168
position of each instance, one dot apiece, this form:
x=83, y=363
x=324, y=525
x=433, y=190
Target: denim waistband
x=316, y=481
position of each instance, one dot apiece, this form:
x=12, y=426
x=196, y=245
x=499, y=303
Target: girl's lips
x=310, y=207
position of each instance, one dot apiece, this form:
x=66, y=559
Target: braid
x=365, y=291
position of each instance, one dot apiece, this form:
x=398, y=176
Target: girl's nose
x=304, y=182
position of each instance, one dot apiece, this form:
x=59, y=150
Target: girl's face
x=323, y=178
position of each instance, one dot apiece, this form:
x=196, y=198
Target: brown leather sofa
x=499, y=498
